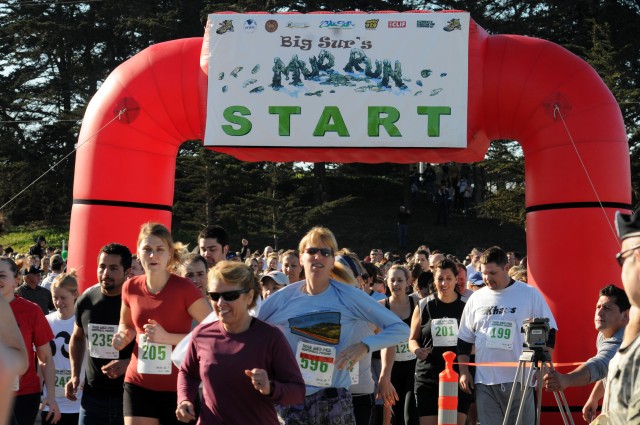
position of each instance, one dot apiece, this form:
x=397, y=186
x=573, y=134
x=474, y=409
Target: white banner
x=338, y=80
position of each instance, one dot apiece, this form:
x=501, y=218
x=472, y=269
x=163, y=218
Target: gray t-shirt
x=622, y=401
x=598, y=365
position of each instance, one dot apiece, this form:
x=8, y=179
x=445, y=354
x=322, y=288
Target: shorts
x=427, y=399
x=328, y=406
x=146, y=403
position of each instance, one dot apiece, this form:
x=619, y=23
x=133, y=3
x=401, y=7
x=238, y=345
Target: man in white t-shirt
x=491, y=321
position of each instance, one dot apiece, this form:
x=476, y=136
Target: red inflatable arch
x=520, y=88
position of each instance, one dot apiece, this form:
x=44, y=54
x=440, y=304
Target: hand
x=351, y=355
x=590, y=410
x=155, y=332
x=245, y=242
x=122, y=338
x=71, y=388
x=260, y=380
x=387, y=392
x=554, y=381
x=115, y=368
x=54, y=414
x=185, y=412
x=466, y=382
x=423, y=353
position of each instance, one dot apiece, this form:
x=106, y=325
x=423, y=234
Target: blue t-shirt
x=332, y=318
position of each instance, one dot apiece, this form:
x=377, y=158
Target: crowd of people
x=313, y=335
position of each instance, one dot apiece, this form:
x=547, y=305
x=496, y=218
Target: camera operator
x=611, y=317
x=491, y=321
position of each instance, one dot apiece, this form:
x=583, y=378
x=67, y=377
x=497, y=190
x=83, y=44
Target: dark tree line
x=55, y=55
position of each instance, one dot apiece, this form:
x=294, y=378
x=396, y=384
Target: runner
x=245, y=365
x=97, y=315
x=36, y=334
x=319, y=317
x=64, y=290
x=157, y=310
x=404, y=364
x=434, y=330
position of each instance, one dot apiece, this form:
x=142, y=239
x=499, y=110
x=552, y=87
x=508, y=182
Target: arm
x=415, y=336
x=392, y=330
x=156, y=333
x=49, y=372
x=466, y=380
x=77, y=348
x=15, y=352
x=126, y=330
x=591, y=406
x=288, y=385
x=187, y=386
x=386, y=391
x=598, y=365
x=556, y=381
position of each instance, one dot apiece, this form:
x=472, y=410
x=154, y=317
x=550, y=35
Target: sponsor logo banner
x=338, y=80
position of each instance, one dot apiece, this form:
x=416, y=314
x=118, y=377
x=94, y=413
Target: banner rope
x=557, y=113
x=78, y=146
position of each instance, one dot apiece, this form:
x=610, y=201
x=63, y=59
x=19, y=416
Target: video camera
x=536, y=332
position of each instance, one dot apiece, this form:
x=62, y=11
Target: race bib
x=62, y=377
x=153, y=359
x=403, y=353
x=444, y=332
x=501, y=334
x=316, y=363
x=354, y=373
x=100, y=337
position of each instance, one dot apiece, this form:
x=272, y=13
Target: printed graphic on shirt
x=321, y=327
x=496, y=309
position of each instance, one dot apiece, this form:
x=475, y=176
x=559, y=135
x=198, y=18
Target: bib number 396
x=316, y=363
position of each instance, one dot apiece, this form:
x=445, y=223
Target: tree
x=53, y=58
x=504, y=183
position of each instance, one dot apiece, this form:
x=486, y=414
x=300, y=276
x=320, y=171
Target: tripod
x=540, y=361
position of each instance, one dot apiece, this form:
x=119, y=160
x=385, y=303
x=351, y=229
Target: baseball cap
x=32, y=270
x=279, y=277
x=475, y=279
x=628, y=225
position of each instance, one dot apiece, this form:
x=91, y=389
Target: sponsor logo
x=425, y=24
x=225, y=26
x=250, y=25
x=271, y=25
x=337, y=25
x=371, y=24
x=397, y=24
x=489, y=311
x=297, y=25
x=452, y=25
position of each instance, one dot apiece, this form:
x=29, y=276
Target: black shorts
x=146, y=403
x=427, y=399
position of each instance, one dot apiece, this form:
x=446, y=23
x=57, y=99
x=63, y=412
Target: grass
x=20, y=238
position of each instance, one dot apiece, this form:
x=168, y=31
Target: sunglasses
x=622, y=258
x=325, y=252
x=227, y=296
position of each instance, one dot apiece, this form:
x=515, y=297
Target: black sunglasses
x=325, y=252
x=227, y=296
x=622, y=258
